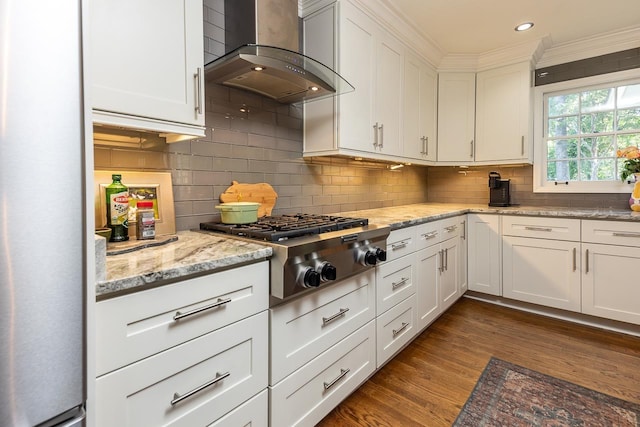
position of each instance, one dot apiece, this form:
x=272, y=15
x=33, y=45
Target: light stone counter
x=194, y=252
x=405, y=216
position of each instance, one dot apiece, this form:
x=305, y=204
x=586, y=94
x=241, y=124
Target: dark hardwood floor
x=429, y=381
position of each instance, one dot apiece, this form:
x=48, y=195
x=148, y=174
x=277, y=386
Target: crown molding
x=624, y=39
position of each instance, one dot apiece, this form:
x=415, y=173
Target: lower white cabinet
x=395, y=328
x=305, y=327
x=542, y=271
x=254, y=413
x=310, y=393
x=194, y=383
x=484, y=254
x=428, y=296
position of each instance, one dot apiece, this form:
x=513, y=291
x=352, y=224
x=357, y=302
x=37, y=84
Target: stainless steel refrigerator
x=42, y=221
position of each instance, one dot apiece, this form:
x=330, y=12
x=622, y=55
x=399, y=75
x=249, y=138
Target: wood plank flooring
x=429, y=381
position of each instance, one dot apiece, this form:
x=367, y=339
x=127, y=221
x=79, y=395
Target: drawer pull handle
x=218, y=303
x=329, y=319
x=400, y=245
x=343, y=372
x=626, y=234
x=402, y=328
x=538, y=228
x=451, y=228
x=402, y=281
x=219, y=377
x=430, y=235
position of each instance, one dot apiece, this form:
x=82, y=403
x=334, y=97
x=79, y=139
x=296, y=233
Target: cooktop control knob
x=370, y=258
x=311, y=278
x=381, y=254
x=328, y=271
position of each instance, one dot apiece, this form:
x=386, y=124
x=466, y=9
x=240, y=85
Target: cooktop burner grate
x=284, y=227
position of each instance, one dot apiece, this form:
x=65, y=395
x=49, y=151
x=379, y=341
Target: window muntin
x=584, y=127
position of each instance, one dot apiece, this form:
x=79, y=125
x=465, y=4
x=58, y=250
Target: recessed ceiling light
x=524, y=26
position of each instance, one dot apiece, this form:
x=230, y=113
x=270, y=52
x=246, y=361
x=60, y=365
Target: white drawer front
x=611, y=232
x=304, y=328
x=395, y=328
x=428, y=234
x=395, y=281
x=541, y=227
x=305, y=397
x=141, y=394
x=401, y=242
x=132, y=327
x=253, y=413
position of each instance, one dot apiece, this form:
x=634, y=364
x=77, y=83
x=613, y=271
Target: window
x=582, y=124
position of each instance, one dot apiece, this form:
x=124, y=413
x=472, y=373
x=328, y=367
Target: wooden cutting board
x=262, y=193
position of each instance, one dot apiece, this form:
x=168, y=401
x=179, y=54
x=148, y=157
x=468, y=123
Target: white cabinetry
x=456, y=117
x=540, y=258
x=610, y=287
x=322, y=347
x=503, y=122
x=420, y=99
x=485, y=117
x=367, y=121
x=146, y=65
x=191, y=356
x=484, y=254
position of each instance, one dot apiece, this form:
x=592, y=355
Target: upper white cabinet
x=147, y=64
x=485, y=118
x=456, y=117
x=503, y=119
x=420, y=99
x=370, y=121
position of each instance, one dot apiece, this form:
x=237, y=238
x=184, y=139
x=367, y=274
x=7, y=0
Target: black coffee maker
x=498, y=190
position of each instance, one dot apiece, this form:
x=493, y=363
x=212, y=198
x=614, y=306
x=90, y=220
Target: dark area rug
x=510, y=395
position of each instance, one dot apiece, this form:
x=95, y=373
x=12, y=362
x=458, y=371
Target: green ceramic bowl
x=104, y=232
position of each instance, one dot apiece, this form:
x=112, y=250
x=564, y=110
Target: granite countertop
x=397, y=217
x=200, y=252
x=194, y=252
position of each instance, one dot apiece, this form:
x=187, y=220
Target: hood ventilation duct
x=262, y=43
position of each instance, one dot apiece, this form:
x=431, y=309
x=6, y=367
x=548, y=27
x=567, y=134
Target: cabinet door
x=541, y=271
x=419, y=121
x=456, y=116
x=610, y=287
x=145, y=59
x=463, y=246
x=502, y=113
x=428, y=263
x=357, y=53
x=448, y=285
x=388, y=96
x=484, y=263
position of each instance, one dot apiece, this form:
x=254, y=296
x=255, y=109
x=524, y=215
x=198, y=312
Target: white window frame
x=540, y=183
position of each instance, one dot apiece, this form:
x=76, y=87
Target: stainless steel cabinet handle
x=426, y=144
x=198, y=82
x=430, y=235
x=402, y=281
x=375, y=135
x=218, y=303
x=538, y=228
x=451, y=228
x=441, y=267
x=586, y=260
x=464, y=230
x=626, y=234
x=343, y=372
x=522, y=143
x=446, y=259
x=471, y=154
x=329, y=319
x=574, y=259
x=381, y=135
x=402, y=328
x=219, y=377
x=400, y=245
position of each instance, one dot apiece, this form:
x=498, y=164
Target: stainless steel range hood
x=261, y=41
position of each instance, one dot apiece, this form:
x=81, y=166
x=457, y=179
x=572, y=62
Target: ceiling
x=480, y=26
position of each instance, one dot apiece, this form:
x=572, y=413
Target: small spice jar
x=145, y=220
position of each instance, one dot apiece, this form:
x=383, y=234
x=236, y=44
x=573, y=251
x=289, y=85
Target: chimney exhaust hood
x=261, y=41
